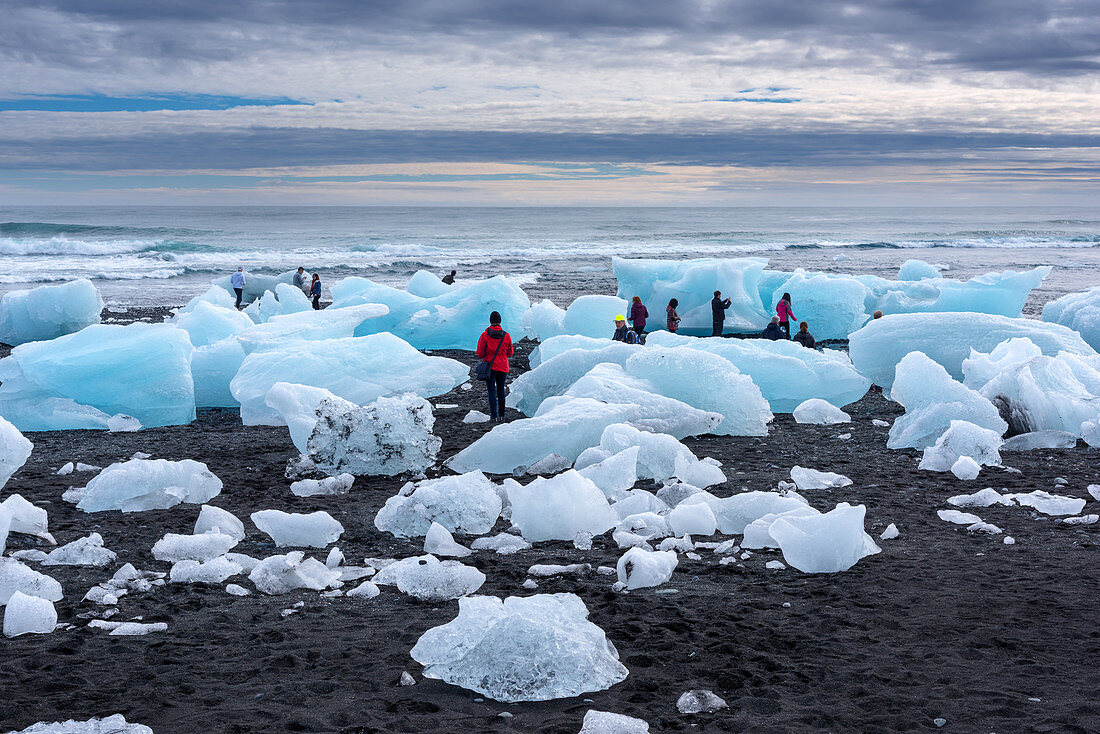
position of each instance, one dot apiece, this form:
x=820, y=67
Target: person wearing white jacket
x=237, y=281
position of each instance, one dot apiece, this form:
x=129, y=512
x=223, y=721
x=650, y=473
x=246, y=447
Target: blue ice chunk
x=594, y=316
x=255, y=284
x=81, y=379
x=917, y=270
x=207, y=323
x=49, y=311
x=428, y=285
x=833, y=306
x=1078, y=311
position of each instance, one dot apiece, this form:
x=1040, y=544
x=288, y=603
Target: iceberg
x=14, y=576
x=639, y=569
x=932, y=399
x=536, y=648
x=593, y=316
x=28, y=615
x=824, y=543
x=555, y=345
x=80, y=380
x=917, y=270
x=542, y=321
x=558, y=508
x=174, y=547
x=819, y=412
x=284, y=300
x=15, y=449
x=737, y=512
x=428, y=579
x=468, y=504
x=283, y=574
x=207, y=323
x=87, y=551
x=212, y=369
x=428, y=285
x=948, y=338
x=963, y=438
x=833, y=305
x=661, y=456
x=390, y=436
x=149, y=484
x=1078, y=311
x=558, y=372
x=359, y=369
x=311, y=530
x=280, y=331
x=452, y=320
x=255, y=284
x=786, y=372
x=24, y=517
x=48, y=311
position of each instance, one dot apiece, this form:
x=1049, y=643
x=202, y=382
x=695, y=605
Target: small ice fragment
x=957, y=517
x=475, y=416
x=939, y=721
x=812, y=479
x=603, y=722
x=530, y=584
x=890, y=532
x=438, y=540
x=329, y=486
x=365, y=590
x=306, y=530
x=1094, y=490
x=1081, y=520
x=605, y=571
x=216, y=520
x=236, y=590
x=214, y=571
x=1049, y=504
x=700, y=702
x=122, y=423
x=406, y=679
x=548, y=569
x=28, y=615
x=1009, y=540
x=983, y=498
x=66, y=470
x=775, y=565
x=638, y=568
x=583, y=540
x=87, y=551
x=983, y=527
x=504, y=544
x=819, y=412
x=966, y=468
x=173, y=547
x=880, y=423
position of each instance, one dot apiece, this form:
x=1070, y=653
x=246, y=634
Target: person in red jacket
x=638, y=315
x=786, y=315
x=495, y=347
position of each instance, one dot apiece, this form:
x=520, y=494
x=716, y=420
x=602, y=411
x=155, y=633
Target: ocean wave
x=64, y=246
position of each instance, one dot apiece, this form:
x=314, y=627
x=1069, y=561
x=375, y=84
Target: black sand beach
x=990, y=637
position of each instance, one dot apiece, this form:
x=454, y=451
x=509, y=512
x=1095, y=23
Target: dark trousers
x=317, y=303
x=495, y=384
x=786, y=327
x=639, y=329
x=718, y=328
x=240, y=295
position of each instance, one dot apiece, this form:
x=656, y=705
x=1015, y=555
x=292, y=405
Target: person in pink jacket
x=786, y=315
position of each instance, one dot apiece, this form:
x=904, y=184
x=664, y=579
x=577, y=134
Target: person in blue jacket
x=315, y=292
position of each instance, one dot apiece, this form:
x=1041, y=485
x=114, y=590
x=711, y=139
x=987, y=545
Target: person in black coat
x=772, y=330
x=718, y=312
x=804, y=337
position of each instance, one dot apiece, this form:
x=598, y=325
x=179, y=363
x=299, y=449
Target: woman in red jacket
x=495, y=347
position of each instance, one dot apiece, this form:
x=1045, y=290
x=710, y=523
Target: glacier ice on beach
x=80, y=380
x=966, y=468
x=542, y=321
x=963, y=438
x=24, y=517
x=758, y=532
x=604, y=722
x=15, y=576
x=813, y=479
x=552, y=347
x=557, y=508
x=819, y=412
x=207, y=323
x=255, y=284
x=359, y=369
x=115, y=724
x=557, y=373
x=426, y=284
x=452, y=320
x=284, y=300
x=15, y=449
x=28, y=615
x=932, y=399
x=389, y=436
x=982, y=498
x=639, y=569
x=212, y=369
x=1047, y=503
x=692, y=519
x=736, y=512
x=329, y=323
x=214, y=571
x=216, y=520
x=1040, y=440
x=468, y=504
x=1078, y=311
x=917, y=270
x=786, y=372
x=948, y=338
x=175, y=547
x=149, y=484
x=824, y=543
x=593, y=316
x=48, y=311
x=661, y=457
x=536, y=648
x=429, y=579
x=615, y=474
x=308, y=530
x=86, y=551
x=833, y=305
x=283, y=574
x=327, y=487
x=438, y=541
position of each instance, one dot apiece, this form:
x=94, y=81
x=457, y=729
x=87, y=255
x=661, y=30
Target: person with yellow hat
x=622, y=333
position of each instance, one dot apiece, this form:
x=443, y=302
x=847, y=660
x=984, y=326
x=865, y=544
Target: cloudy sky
x=567, y=102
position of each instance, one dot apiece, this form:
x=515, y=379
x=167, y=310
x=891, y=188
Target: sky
x=608, y=102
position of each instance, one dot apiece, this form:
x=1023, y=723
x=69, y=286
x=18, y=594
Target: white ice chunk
x=128, y=629
x=983, y=498
x=826, y=543
x=758, y=532
x=616, y=474
x=1040, y=440
x=957, y=517
x=429, y=579
x=468, y=504
x=963, y=439
x=28, y=615
x=890, y=532
x=535, y=648
x=87, y=551
x=327, y=487
x=819, y=412
x=440, y=542
x=216, y=520
x=812, y=479
x=1078, y=311
x=603, y=722
x=692, y=519
x=543, y=321
x=149, y=484
x=699, y=702
x=1047, y=503
x=638, y=568
x=116, y=724
x=966, y=468
x=558, y=371
x=661, y=457
x=208, y=323
x=365, y=590
x=174, y=547
x=558, y=508
x=475, y=416
x=214, y=571
x=48, y=311
x=15, y=449
x=736, y=512
x=304, y=530
x=917, y=270
x=14, y=576
x=504, y=544
x=283, y=574
x=25, y=518
x=237, y=590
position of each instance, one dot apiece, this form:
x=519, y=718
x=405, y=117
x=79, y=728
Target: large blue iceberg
x=48, y=311
x=1078, y=311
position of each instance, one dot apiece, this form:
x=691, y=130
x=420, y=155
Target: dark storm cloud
x=278, y=147
x=1034, y=36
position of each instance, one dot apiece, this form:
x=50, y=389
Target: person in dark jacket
x=771, y=331
x=449, y=279
x=315, y=292
x=786, y=315
x=495, y=347
x=718, y=312
x=804, y=337
x=622, y=332
x=672, y=319
x=638, y=315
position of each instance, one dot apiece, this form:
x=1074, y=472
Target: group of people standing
x=312, y=290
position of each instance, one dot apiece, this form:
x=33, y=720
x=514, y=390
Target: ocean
x=165, y=255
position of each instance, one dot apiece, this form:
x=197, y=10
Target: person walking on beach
x=622, y=333
x=494, y=347
x=449, y=279
x=771, y=331
x=804, y=337
x=315, y=292
x=300, y=279
x=672, y=319
x=718, y=312
x=638, y=316
x=237, y=281
x=786, y=315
